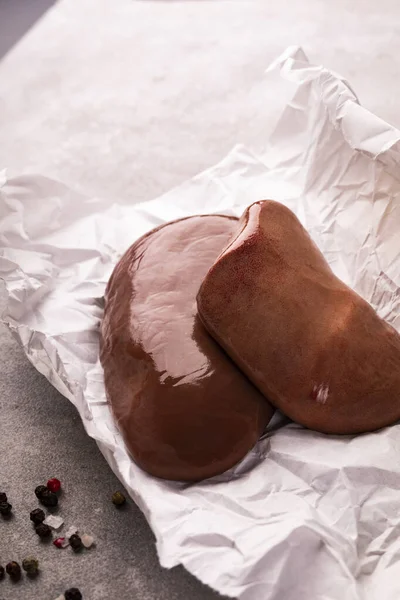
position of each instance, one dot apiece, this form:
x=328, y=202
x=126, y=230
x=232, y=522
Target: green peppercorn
x=43, y=530
x=14, y=571
x=49, y=499
x=40, y=490
x=73, y=594
x=31, y=566
x=3, y=497
x=37, y=516
x=2, y=572
x=5, y=509
x=118, y=499
x=75, y=542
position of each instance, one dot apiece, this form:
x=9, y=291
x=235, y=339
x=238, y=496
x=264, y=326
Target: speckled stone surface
x=126, y=99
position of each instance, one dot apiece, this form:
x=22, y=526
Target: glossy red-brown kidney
x=316, y=349
x=185, y=410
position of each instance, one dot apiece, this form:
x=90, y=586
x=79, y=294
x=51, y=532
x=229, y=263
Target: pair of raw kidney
x=211, y=322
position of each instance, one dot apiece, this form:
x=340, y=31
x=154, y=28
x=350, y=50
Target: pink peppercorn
x=54, y=485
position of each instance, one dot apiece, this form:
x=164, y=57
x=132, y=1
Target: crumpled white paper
x=306, y=516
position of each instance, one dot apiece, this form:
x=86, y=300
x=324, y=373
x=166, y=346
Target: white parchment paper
x=306, y=516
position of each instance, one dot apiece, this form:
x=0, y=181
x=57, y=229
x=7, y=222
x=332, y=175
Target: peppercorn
x=54, y=485
x=5, y=509
x=37, y=516
x=75, y=542
x=87, y=540
x=73, y=594
x=14, y=570
x=118, y=498
x=40, y=490
x=43, y=530
x=3, y=497
x=31, y=566
x=2, y=572
x=48, y=499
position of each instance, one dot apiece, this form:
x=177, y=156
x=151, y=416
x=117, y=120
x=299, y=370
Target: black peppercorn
x=43, y=530
x=3, y=497
x=48, y=498
x=5, y=509
x=2, y=572
x=14, y=570
x=73, y=594
x=118, y=499
x=75, y=542
x=31, y=566
x=40, y=490
x=37, y=516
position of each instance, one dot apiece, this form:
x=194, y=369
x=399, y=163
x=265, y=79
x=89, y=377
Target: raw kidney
x=311, y=345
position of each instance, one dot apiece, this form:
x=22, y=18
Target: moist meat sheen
x=315, y=348
x=185, y=410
